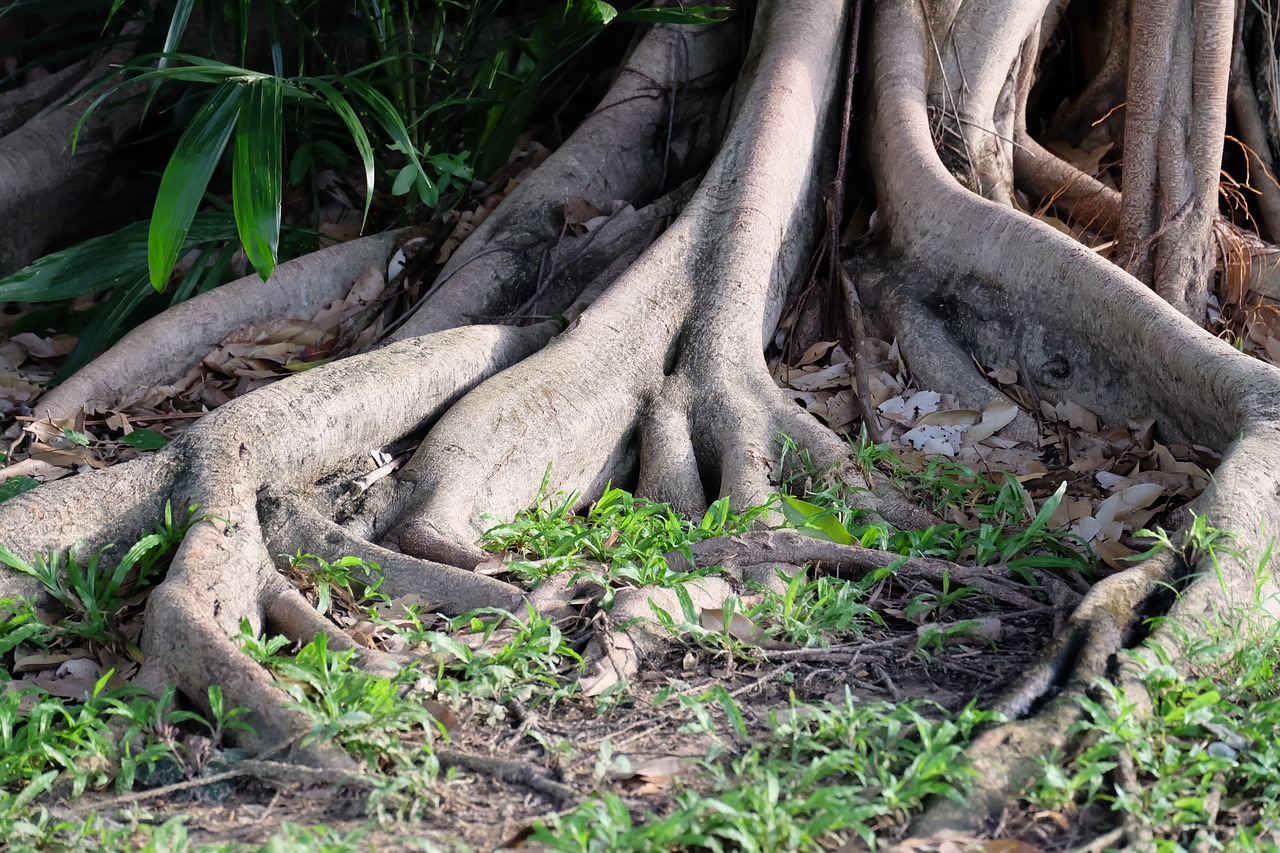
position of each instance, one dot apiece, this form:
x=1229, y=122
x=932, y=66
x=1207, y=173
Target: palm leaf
x=186, y=177
x=102, y=262
x=392, y=124
x=177, y=25
x=342, y=107
x=256, y=172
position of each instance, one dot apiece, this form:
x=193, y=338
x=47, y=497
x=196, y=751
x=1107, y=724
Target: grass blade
x=340, y=105
x=186, y=177
x=177, y=26
x=256, y=172
x=112, y=260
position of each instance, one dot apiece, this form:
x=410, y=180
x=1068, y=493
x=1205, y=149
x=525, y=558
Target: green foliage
x=355, y=580
x=1206, y=749
x=382, y=720
x=812, y=609
x=819, y=770
x=526, y=659
x=1003, y=531
x=43, y=737
x=14, y=486
x=95, y=595
x=629, y=536
x=409, y=92
x=118, y=261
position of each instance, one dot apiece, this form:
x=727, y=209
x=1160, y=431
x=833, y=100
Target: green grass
x=821, y=773
x=808, y=777
x=627, y=536
x=1205, y=762
x=1000, y=525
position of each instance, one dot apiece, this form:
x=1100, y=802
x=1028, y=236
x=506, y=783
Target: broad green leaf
x=14, y=486
x=404, y=181
x=1204, y=700
x=186, y=177
x=813, y=520
x=103, y=262
x=145, y=439
x=75, y=437
x=256, y=189
x=340, y=105
x=598, y=12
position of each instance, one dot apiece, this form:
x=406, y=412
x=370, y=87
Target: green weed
x=354, y=581
x=820, y=774
x=1205, y=760
x=630, y=536
x=99, y=598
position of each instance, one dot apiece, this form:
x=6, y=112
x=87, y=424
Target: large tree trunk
x=660, y=379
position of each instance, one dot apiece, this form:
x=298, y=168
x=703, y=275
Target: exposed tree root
x=661, y=381
x=291, y=436
x=652, y=124
x=1065, y=336
x=44, y=190
x=164, y=348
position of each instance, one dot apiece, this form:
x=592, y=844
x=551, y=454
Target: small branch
x=514, y=772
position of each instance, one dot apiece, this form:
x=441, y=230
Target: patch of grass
x=823, y=774
x=385, y=721
x=812, y=609
x=527, y=659
x=100, y=600
x=352, y=580
x=45, y=738
x=1000, y=524
x=629, y=536
x=1200, y=771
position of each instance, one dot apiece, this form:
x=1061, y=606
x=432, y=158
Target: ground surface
x=645, y=741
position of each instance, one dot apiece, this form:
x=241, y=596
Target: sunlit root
x=676, y=338
x=223, y=574
x=166, y=347
x=1065, y=340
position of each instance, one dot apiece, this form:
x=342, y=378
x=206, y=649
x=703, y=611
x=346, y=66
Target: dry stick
x=249, y=767
x=835, y=213
x=284, y=774
x=853, y=312
x=516, y=772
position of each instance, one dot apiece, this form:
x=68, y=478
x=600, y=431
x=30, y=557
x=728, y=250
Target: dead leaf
x=740, y=627
x=578, y=212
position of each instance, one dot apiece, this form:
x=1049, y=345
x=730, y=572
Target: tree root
x=223, y=573
x=164, y=348
x=698, y=305
x=662, y=380
x=43, y=188
x=651, y=123
x=769, y=559
x=1066, y=336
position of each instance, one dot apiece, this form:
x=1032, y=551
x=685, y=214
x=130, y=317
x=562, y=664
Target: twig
x=259, y=768
x=515, y=772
